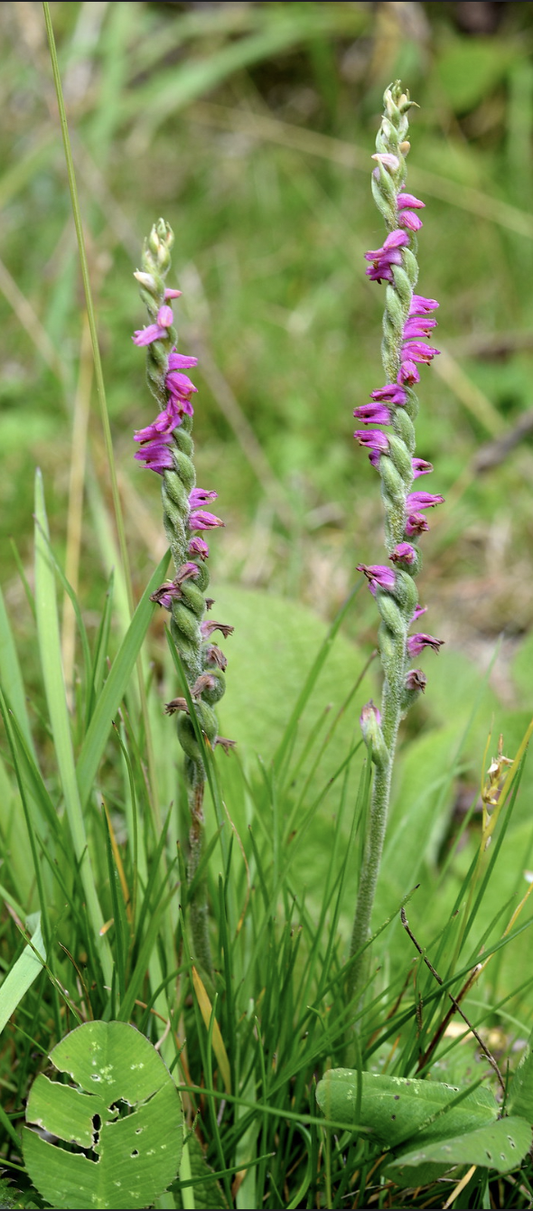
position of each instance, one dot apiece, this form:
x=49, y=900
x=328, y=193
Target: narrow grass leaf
x=50, y=656
x=206, y=1010
x=116, y=686
x=22, y=974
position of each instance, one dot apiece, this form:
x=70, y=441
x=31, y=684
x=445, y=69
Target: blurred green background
x=249, y=127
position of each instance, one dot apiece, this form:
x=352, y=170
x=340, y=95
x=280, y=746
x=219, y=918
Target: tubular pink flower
x=156, y=455
x=408, y=199
x=165, y=316
x=408, y=372
x=416, y=351
x=198, y=546
x=420, y=305
x=374, y=439
x=157, y=331
x=389, y=254
x=410, y=220
x=179, y=384
x=418, y=326
x=418, y=612
x=371, y=414
x=200, y=496
x=416, y=524
x=146, y=336
x=422, y=500
x=417, y=643
x=200, y=520
x=421, y=467
x=172, y=294
x=177, y=361
x=391, y=393
x=404, y=552
x=161, y=427
x=378, y=575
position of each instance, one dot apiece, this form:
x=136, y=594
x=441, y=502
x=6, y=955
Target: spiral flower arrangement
x=166, y=447
x=407, y=325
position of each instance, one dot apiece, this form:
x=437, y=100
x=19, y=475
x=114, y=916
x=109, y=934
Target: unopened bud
x=145, y=279
x=370, y=721
x=405, y=147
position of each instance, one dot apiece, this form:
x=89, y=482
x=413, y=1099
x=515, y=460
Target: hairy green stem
x=396, y=601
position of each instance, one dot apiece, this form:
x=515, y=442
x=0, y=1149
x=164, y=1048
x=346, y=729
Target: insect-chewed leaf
x=499, y=1146
x=122, y=1119
x=395, y=1108
x=521, y=1090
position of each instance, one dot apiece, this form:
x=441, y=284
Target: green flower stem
x=201, y=661
x=397, y=605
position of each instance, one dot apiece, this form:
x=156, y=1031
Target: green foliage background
x=250, y=127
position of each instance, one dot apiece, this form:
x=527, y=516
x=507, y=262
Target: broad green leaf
x=499, y=1146
x=123, y=1109
x=284, y=641
x=23, y=972
x=395, y=1108
x=115, y=687
x=521, y=1090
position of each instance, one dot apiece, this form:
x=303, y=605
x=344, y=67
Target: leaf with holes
x=395, y=1108
x=118, y=1126
x=501, y=1146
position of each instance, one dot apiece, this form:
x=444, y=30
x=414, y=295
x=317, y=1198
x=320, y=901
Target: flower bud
x=370, y=721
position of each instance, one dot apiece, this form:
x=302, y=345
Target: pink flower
x=179, y=384
x=391, y=393
x=389, y=254
x=403, y=552
x=418, y=325
x=421, y=306
x=162, y=426
x=409, y=220
x=177, y=361
x=416, y=524
x=419, y=610
x=422, y=500
x=200, y=496
x=417, y=643
x=408, y=199
x=416, y=351
x=146, y=336
x=198, y=546
x=156, y=455
x=374, y=439
x=200, y=520
x=408, y=372
x=172, y=294
x=157, y=331
x=378, y=575
x=420, y=467
x=373, y=414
